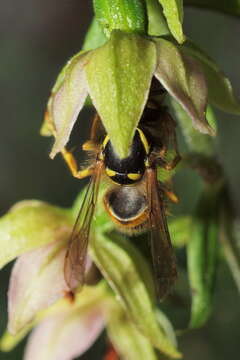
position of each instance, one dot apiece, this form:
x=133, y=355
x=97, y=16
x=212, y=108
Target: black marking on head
x=133, y=163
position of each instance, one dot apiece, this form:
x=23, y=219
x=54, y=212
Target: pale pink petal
x=37, y=281
x=64, y=336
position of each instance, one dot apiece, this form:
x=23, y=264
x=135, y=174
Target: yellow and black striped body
x=129, y=170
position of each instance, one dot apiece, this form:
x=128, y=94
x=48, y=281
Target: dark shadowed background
x=36, y=39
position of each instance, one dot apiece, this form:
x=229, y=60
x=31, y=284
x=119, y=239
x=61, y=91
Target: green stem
x=125, y=15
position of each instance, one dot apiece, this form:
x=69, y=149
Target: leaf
x=119, y=76
x=231, y=7
x=128, y=274
x=220, y=91
x=29, y=225
x=94, y=37
x=67, y=99
x=173, y=11
x=157, y=25
x=202, y=253
x=126, y=339
x=37, y=281
x=182, y=77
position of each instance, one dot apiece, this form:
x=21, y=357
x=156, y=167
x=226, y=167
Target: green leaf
x=220, y=91
x=173, y=11
x=182, y=77
x=231, y=7
x=94, y=37
x=157, y=25
x=29, y=225
x=127, y=340
x=197, y=142
x=202, y=253
x=119, y=76
x=129, y=275
x=125, y=15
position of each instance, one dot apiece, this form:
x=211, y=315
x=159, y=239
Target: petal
x=67, y=100
x=28, y=225
x=129, y=275
x=119, y=76
x=183, y=79
x=64, y=336
x=36, y=282
x=220, y=91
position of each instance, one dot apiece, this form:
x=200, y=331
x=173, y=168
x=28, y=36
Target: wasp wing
x=164, y=261
x=76, y=255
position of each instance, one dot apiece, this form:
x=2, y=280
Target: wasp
x=135, y=198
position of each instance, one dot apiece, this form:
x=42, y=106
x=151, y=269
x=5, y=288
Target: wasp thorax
x=130, y=169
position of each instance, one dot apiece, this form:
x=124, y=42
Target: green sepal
x=125, y=15
x=231, y=7
x=202, y=254
x=8, y=341
x=119, y=76
x=173, y=11
x=129, y=275
x=157, y=25
x=220, y=91
x=95, y=36
x=127, y=340
x=29, y=225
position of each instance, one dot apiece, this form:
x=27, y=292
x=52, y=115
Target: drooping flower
x=38, y=295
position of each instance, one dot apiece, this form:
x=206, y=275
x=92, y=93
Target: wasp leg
x=169, y=165
x=89, y=145
x=72, y=164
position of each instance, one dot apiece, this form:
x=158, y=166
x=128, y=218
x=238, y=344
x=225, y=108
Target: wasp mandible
x=135, y=199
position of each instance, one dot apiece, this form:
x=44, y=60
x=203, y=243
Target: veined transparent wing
x=76, y=255
x=164, y=261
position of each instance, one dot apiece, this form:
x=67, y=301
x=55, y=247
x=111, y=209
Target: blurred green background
x=37, y=38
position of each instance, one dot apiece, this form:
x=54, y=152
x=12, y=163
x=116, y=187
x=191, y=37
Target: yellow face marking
x=134, y=176
x=144, y=140
x=110, y=172
x=105, y=141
